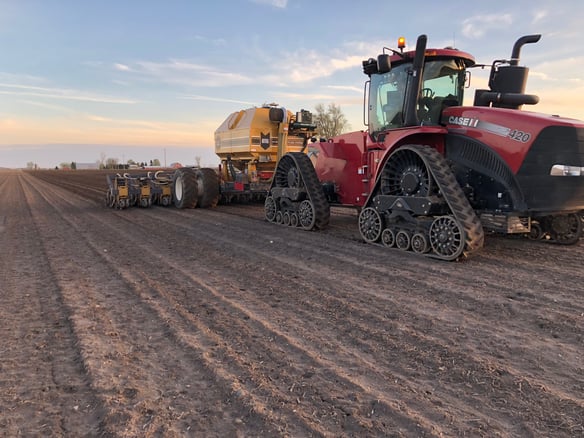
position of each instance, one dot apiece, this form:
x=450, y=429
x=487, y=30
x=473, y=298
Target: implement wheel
x=185, y=191
x=208, y=188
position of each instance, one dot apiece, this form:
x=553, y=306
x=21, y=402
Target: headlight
x=564, y=170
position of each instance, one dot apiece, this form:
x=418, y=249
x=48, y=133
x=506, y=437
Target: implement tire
x=184, y=188
x=208, y=188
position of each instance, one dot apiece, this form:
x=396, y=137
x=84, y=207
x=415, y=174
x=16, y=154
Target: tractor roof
x=433, y=54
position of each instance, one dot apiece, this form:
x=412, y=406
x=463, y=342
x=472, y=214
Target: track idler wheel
x=370, y=225
x=446, y=238
x=306, y=215
x=270, y=209
x=564, y=229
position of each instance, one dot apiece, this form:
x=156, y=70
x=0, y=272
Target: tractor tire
x=208, y=188
x=184, y=188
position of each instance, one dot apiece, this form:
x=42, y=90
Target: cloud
x=121, y=67
x=58, y=93
x=346, y=88
x=293, y=67
x=177, y=71
x=10, y=77
x=215, y=99
x=479, y=25
x=48, y=106
x=219, y=42
x=539, y=16
x=306, y=66
x=147, y=124
x=281, y=4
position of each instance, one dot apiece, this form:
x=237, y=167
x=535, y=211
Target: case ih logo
x=463, y=121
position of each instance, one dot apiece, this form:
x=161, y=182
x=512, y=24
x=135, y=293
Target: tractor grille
x=543, y=192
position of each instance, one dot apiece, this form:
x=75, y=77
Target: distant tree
x=198, y=161
x=330, y=121
x=111, y=163
x=131, y=162
x=73, y=165
x=155, y=162
x=30, y=165
x=65, y=166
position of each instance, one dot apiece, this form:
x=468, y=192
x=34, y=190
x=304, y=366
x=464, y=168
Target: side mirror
x=383, y=63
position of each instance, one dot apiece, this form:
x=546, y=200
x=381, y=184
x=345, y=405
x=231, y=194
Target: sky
x=139, y=79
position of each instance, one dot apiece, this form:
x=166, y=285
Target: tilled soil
x=213, y=322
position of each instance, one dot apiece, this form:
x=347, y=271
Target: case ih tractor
x=430, y=175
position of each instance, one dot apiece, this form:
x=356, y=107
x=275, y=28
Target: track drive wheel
x=185, y=191
x=208, y=188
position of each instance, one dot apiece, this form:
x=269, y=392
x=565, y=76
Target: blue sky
x=153, y=79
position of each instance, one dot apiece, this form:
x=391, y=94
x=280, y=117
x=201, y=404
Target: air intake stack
x=507, y=81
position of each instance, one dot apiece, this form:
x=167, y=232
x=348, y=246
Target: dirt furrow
x=432, y=342
x=320, y=334
x=239, y=324
x=45, y=388
x=148, y=384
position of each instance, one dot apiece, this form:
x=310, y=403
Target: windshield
x=442, y=86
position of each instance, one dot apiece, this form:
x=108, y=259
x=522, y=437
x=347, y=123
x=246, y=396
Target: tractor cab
x=408, y=90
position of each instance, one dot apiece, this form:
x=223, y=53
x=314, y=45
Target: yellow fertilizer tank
x=250, y=142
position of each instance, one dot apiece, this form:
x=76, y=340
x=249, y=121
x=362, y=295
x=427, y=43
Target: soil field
x=162, y=322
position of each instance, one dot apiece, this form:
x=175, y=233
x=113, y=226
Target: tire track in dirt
x=513, y=372
x=45, y=389
x=276, y=393
x=422, y=326
x=136, y=220
x=148, y=384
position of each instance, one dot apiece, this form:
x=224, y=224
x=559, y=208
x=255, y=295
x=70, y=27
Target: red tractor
x=429, y=174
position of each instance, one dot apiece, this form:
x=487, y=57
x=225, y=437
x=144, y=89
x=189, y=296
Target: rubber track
x=452, y=192
x=313, y=189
